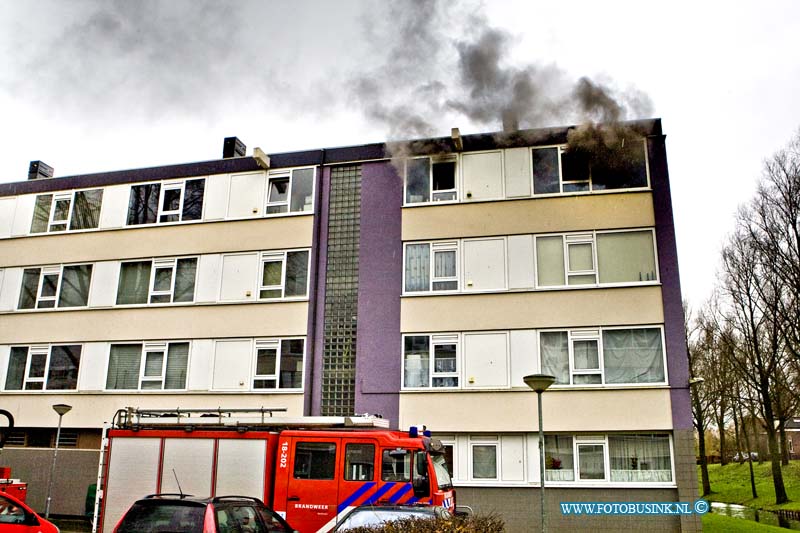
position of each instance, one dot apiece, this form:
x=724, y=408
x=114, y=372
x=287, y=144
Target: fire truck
x=311, y=470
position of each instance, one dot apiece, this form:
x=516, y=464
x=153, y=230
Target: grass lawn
x=713, y=523
x=731, y=484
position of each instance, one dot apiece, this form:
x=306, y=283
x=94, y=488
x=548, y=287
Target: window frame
x=164, y=186
x=49, y=270
x=434, y=160
x=591, y=440
x=150, y=347
x=155, y=264
x=39, y=349
x=579, y=238
x=435, y=247
x=288, y=174
x=435, y=339
x=489, y=441
x=163, y=190
x=596, y=333
x=579, y=440
x=60, y=196
x=281, y=256
x=277, y=342
x=561, y=149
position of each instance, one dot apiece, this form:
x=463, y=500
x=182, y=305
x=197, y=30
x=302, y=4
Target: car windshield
x=442, y=474
x=159, y=516
x=373, y=517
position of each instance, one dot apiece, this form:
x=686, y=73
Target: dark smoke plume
x=486, y=89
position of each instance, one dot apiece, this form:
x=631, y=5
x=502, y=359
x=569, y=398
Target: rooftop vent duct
x=39, y=170
x=233, y=147
x=510, y=122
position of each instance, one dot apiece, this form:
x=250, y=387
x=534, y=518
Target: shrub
x=470, y=524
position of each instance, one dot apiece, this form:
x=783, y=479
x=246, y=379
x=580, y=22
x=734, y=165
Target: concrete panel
x=7, y=208
x=114, y=210
x=180, y=239
x=175, y=322
x=520, y=508
x=92, y=410
x=514, y=411
x=75, y=471
x=23, y=216
x=518, y=176
x=535, y=309
x=103, y=290
x=536, y=215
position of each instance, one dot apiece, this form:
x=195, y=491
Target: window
x=559, y=458
x=633, y=356
x=166, y=202
x=290, y=192
x=625, y=356
x=591, y=459
x=315, y=460
x=484, y=459
x=644, y=458
x=57, y=286
x=157, y=281
x=439, y=258
x=43, y=367
x=430, y=361
x=430, y=180
x=148, y=366
x=589, y=258
x=631, y=458
x=279, y=364
x=396, y=465
x=626, y=256
x=284, y=275
x=557, y=169
x=71, y=210
x=359, y=462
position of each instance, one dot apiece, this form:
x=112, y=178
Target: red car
x=16, y=517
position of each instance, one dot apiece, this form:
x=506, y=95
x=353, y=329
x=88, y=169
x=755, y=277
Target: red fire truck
x=311, y=470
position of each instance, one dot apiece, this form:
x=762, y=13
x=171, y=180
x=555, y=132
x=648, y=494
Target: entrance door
x=312, y=493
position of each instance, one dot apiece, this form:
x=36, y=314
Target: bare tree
x=772, y=222
x=753, y=292
x=701, y=398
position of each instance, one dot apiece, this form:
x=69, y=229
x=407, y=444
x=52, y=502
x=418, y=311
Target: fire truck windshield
x=442, y=474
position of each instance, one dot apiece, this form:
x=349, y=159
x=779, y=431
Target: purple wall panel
x=378, y=355
x=674, y=333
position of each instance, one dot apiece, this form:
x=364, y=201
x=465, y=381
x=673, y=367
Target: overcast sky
x=89, y=86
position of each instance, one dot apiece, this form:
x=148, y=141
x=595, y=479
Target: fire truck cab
x=311, y=470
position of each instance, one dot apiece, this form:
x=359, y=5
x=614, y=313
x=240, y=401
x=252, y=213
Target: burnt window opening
x=430, y=180
x=561, y=169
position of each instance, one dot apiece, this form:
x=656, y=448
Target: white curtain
x=644, y=458
x=418, y=265
x=554, y=346
x=633, y=356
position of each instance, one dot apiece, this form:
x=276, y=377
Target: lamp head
x=539, y=382
x=62, y=408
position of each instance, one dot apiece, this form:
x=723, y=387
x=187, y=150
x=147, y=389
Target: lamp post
x=61, y=409
x=539, y=383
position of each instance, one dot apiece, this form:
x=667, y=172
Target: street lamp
x=61, y=409
x=540, y=383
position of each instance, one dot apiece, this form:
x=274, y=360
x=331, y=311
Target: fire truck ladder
x=235, y=419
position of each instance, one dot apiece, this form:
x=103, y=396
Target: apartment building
x=420, y=287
